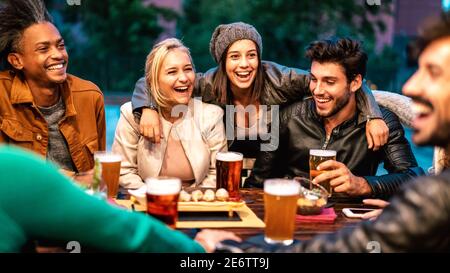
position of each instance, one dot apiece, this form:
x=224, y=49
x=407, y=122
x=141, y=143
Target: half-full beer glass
x=162, y=199
x=317, y=156
x=280, y=206
x=110, y=171
x=228, y=172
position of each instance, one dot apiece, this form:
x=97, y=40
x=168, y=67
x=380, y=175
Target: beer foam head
x=229, y=156
x=163, y=186
x=107, y=157
x=318, y=152
x=282, y=187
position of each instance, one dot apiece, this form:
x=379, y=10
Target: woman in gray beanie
x=242, y=79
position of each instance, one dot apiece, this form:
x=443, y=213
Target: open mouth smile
x=244, y=75
x=182, y=89
x=322, y=100
x=56, y=67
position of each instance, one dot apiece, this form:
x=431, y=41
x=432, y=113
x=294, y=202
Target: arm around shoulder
x=367, y=103
x=142, y=97
x=284, y=85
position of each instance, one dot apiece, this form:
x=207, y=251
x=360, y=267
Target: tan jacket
x=202, y=136
x=83, y=125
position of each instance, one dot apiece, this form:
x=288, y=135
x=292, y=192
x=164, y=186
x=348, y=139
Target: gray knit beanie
x=224, y=35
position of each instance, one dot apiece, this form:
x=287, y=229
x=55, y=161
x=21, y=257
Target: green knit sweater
x=37, y=202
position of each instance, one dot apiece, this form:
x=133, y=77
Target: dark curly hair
x=344, y=51
x=16, y=16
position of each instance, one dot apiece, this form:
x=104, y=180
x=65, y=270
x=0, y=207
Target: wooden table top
x=303, y=231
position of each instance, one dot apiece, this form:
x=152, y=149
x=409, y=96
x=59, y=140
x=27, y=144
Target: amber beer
x=162, y=199
x=228, y=172
x=280, y=206
x=110, y=171
x=317, y=156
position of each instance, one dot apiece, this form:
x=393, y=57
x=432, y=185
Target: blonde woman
x=193, y=131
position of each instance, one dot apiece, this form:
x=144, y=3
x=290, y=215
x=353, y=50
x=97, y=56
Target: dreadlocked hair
x=16, y=16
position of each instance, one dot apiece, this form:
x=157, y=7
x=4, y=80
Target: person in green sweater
x=38, y=202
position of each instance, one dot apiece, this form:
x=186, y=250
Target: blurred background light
x=446, y=5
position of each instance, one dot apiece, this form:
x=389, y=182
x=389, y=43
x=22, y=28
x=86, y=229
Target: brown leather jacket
x=83, y=125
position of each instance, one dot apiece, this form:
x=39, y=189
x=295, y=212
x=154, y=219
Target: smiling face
x=242, y=65
x=43, y=57
x=429, y=87
x=331, y=91
x=176, y=76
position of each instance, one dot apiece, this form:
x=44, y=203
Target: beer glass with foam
x=162, y=199
x=280, y=206
x=110, y=171
x=317, y=156
x=228, y=172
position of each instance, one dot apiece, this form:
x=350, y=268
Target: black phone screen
x=360, y=211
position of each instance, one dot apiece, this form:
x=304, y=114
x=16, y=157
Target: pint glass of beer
x=228, y=172
x=162, y=199
x=280, y=206
x=317, y=156
x=110, y=171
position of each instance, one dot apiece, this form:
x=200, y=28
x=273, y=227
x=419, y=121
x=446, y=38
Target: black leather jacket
x=302, y=129
x=283, y=85
x=417, y=220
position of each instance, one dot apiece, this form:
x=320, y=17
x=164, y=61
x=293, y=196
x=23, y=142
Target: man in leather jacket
x=418, y=217
x=331, y=120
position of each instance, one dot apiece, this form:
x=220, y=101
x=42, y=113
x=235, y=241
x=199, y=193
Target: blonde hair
x=153, y=66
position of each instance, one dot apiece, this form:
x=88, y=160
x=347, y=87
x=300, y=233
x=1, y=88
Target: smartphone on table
x=355, y=212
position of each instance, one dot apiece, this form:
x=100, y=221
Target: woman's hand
x=377, y=133
x=209, y=238
x=150, y=126
x=372, y=215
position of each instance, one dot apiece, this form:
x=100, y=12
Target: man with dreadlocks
x=42, y=108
